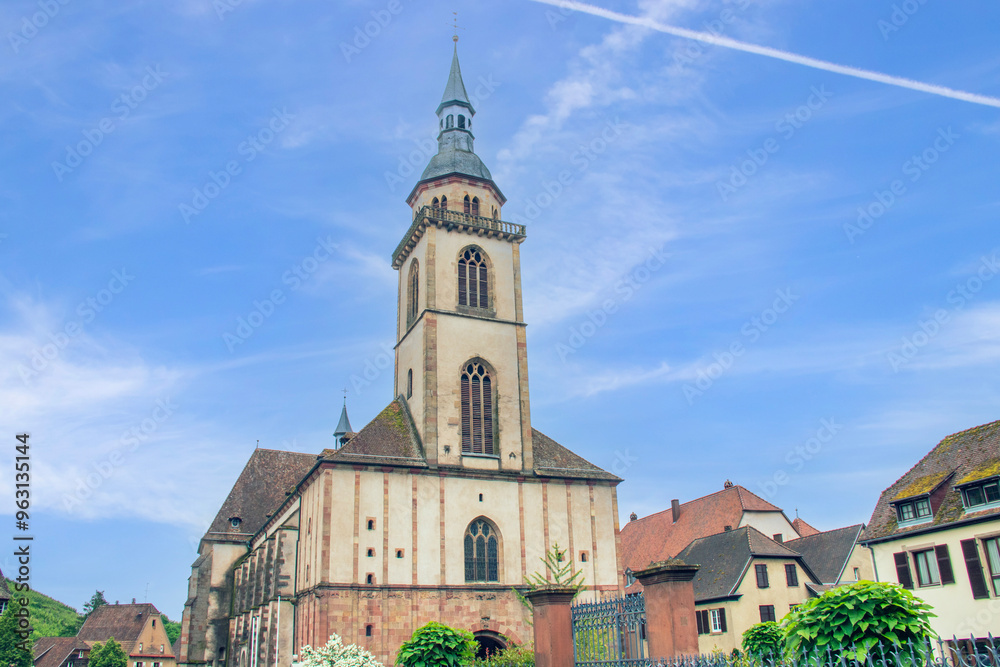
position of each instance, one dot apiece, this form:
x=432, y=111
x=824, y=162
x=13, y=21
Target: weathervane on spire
x=455, y=27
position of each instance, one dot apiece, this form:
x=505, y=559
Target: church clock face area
x=445, y=500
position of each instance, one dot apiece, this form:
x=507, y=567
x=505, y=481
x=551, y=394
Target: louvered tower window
x=413, y=293
x=473, y=279
x=475, y=206
x=444, y=202
x=436, y=203
x=467, y=205
x=482, y=552
x=477, y=409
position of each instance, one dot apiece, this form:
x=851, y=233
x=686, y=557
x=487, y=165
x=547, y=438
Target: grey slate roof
x=455, y=161
x=724, y=558
x=960, y=458
x=454, y=91
x=827, y=553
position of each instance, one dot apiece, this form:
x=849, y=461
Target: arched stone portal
x=489, y=643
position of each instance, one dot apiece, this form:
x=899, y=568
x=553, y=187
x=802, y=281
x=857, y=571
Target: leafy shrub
x=337, y=654
x=853, y=620
x=764, y=640
x=108, y=654
x=512, y=656
x=437, y=645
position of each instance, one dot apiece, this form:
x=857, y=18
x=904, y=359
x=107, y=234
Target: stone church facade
x=446, y=499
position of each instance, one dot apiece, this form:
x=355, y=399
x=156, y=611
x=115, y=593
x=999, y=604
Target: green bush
x=764, y=640
x=512, y=656
x=437, y=645
x=853, y=620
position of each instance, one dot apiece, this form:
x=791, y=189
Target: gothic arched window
x=473, y=279
x=467, y=204
x=435, y=203
x=475, y=206
x=477, y=409
x=444, y=202
x=482, y=551
x=413, y=293
x=461, y=121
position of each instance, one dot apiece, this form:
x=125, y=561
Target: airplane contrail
x=778, y=54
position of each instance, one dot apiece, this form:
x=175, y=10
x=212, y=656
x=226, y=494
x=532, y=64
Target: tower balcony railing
x=443, y=217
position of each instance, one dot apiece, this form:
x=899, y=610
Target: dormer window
x=981, y=495
x=235, y=521
x=913, y=510
x=629, y=577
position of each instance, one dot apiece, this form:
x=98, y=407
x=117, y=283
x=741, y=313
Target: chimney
x=133, y=600
x=675, y=508
x=728, y=528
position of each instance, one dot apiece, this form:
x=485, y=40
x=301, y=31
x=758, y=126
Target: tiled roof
x=827, y=553
x=390, y=438
x=124, y=622
x=656, y=537
x=724, y=557
x=554, y=460
x=803, y=528
x=53, y=651
x=260, y=490
x=4, y=591
x=963, y=453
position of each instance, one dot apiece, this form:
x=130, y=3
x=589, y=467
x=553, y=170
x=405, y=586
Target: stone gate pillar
x=553, y=624
x=671, y=627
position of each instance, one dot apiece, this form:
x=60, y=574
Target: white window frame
x=993, y=562
x=715, y=621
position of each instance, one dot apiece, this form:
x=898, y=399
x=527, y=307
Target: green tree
x=96, y=600
x=859, y=619
x=15, y=647
x=763, y=640
x=437, y=645
x=108, y=654
x=561, y=575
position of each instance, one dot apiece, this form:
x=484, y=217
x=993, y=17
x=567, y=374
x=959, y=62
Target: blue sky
x=737, y=267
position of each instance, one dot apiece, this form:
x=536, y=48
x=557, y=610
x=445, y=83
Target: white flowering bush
x=337, y=654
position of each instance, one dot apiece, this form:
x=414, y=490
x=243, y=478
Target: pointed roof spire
x=454, y=91
x=344, y=425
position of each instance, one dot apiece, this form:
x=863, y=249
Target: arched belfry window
x=413, y=293
x=444, y=202
x=435, y=203
x=461, y=121
x=467, y=204
x=449, y=122
x=482, y=551
x=473, y=279
x=475, y=206
x=477, y=409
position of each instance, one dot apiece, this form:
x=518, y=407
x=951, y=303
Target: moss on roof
x=982, y=471
x=921, y=485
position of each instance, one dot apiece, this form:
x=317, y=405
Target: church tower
x=461, y=354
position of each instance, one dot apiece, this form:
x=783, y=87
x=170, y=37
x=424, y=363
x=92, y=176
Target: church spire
x=454, y=91
x=343, y=426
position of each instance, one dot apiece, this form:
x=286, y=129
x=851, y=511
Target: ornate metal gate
x=610, y=633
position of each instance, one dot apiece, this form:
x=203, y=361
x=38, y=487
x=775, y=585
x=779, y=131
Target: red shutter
x=975, y=569
x=722, y=619
x=903, y=569
x=944, y=564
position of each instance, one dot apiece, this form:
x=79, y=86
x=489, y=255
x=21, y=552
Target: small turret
x=343, y=427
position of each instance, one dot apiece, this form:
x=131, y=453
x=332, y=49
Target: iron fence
x=610, y=633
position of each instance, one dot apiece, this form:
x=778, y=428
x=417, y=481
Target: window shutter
x=705, y=621
x=903, y=569
x=791, y=575
x=722, y=619
x=944, y=564
x=761, y=570
x=477, y=415
x=466, y=414
x=975, y=569
x=701, y=625
x=462, y=268
x=487, y=416
x=484, y=286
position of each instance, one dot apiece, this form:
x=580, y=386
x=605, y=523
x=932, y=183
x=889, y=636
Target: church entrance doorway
x=489, y=643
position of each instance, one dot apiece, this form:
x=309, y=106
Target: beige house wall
x=769, y=523
x=745, y=612
x=958, y=613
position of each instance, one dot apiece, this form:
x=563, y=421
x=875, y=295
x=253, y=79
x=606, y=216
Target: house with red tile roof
x=663, y=535
x=936, y=531
x=137, y=627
